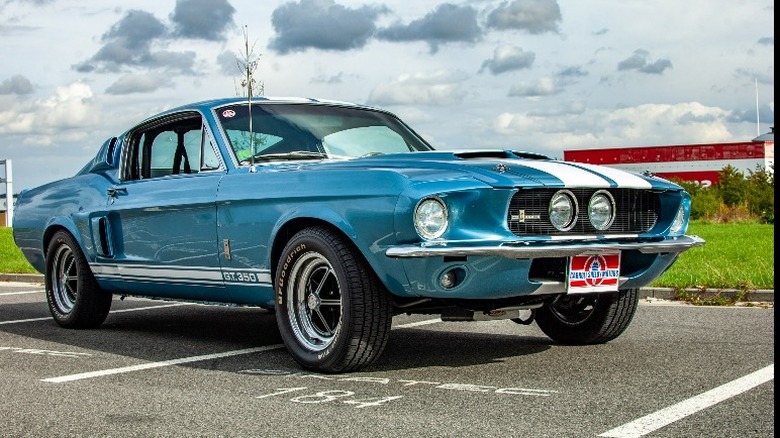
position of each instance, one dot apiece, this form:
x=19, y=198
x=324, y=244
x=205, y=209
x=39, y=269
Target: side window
x=169, y=148
x=162, y=153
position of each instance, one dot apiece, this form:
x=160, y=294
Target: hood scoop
x=499, y=154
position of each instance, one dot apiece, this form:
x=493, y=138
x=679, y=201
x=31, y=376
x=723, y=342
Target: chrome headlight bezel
x=678, y=227
x=563, y=210
x=431, y=218
x=605, y=202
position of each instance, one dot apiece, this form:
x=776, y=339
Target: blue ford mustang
x=338, y=217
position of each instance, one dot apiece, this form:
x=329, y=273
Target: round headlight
x=430, y=218
x=563, y=210
x=601, y=210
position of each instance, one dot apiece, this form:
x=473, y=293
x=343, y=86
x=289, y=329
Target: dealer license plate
x=597, y=272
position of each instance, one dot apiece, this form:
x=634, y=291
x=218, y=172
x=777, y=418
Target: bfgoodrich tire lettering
x=588, y=319
x=74, y=297
x=333, y=313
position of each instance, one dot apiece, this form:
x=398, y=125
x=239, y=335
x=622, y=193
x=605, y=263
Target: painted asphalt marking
x=135, y=309
x=150, y=365
x=165, y=363
x=418, y=323
x=25, y=320
x=44, y=352
x=652, y=422
x=113, y=311
x=22, y=292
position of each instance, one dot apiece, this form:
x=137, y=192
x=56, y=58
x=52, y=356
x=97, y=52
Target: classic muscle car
x=338, y=217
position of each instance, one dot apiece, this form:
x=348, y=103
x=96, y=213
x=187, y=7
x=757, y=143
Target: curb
x=659, y=293
x=667, y=293
x=22, y=278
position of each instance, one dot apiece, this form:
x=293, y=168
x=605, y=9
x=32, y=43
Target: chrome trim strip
x=519, y=251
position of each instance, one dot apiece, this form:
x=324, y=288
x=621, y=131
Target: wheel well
x=48, y=234
x=288, y=231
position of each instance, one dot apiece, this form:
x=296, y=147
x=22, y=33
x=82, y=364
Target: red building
x=692, y=162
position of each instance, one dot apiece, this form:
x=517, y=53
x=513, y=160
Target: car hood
x=503, y=169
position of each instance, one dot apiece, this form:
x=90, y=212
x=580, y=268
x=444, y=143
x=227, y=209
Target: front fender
x=366, y=222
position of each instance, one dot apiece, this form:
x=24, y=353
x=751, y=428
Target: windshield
x=306, y=131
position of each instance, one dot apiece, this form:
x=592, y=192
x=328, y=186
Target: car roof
x=205, y=106
x=208, y=104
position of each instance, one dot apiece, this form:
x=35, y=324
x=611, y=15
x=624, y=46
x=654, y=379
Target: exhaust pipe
x=521, y=315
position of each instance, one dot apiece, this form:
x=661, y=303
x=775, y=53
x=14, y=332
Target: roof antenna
x=758, y=122
x=248, y=64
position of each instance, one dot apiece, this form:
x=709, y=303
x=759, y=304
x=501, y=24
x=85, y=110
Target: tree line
x=736, y=197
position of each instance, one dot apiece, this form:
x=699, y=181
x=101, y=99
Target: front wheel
x=333, y=313
x=74, y=297
x=588, y=319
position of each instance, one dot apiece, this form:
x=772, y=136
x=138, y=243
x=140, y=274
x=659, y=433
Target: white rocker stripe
x=173, y=274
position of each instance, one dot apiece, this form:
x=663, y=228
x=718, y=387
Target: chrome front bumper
x=532, y=250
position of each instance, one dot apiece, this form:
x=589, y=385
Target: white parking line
x=652, y=422
x=25, y=320
x=22, y=292
x=113, y=311
x=146, y=366
x=135, y=309
x=418, y=323
x=166, y=363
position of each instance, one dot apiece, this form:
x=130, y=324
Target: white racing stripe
x=570, y=175
x=659, y=419
x=623, y=179
x=165, y=363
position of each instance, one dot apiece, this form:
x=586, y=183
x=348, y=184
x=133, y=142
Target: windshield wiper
x=293, y=155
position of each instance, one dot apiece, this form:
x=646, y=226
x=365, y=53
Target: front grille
x=636, y=212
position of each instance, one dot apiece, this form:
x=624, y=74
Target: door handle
x=115, y=191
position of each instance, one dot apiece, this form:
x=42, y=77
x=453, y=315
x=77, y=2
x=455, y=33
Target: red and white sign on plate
x=594, y=273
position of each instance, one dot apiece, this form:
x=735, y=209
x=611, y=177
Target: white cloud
x=70, y=108
x=438, y=88
x=643, y=125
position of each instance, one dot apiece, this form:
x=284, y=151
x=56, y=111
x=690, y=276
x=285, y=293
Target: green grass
x=735, y=256
x=11, y=259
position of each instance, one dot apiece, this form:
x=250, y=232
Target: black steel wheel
x=588, y=318
x=74, y=297
x=333, y=313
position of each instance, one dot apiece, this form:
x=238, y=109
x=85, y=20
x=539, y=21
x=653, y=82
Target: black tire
x=333, y=313
x=588, y=319
x=74, y=297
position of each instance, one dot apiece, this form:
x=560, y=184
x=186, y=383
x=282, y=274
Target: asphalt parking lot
x=177, y=369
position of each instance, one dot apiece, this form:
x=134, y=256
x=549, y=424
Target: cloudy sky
x=538, y=75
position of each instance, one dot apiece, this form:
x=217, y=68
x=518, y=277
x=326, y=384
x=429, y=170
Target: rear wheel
x=333, y=313
x=74, y=297
x=588, y=319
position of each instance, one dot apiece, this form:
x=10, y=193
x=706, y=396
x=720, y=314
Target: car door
x=163, y=211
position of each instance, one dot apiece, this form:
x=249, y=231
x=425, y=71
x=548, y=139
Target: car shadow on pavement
x=168, y=330
x=419, y=348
